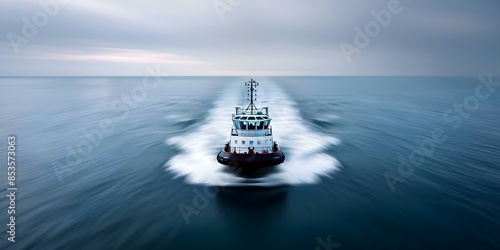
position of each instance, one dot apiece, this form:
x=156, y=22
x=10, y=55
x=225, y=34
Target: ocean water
x=372, y=163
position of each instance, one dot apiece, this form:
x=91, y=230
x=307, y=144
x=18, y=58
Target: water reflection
x=253, y=214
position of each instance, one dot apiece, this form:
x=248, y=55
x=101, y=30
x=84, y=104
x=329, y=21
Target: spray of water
x=305, y=160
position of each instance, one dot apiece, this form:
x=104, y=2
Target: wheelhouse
x=251, y=122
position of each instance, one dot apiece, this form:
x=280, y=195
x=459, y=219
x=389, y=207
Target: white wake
x=305, y=161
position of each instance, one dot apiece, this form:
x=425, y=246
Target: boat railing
x=256, y=150
x=269, y=131
x=259, y=132
x=262, y=111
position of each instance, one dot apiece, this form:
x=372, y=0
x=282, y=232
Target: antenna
x=251, y=96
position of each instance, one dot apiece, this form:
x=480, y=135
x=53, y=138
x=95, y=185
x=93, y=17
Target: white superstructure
x=251, y=129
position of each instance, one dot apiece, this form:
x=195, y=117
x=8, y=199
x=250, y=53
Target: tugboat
x=251, y=141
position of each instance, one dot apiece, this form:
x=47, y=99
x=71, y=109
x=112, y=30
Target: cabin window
x=251, y=118
x=251, y=125
x=251, y=142
x=243, y=125
x=235, y=141
x=266, y=142
x=259, y=142
x=260, y=125
x=266, y=124
x=243, y=142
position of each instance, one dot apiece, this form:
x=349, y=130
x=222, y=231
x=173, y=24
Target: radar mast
x=251, y=96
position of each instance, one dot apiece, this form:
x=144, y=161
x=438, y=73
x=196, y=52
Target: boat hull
x=250, y=161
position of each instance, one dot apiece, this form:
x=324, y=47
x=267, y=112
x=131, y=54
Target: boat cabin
x=251, y=135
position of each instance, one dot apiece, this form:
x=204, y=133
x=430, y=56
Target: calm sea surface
x=372, y=163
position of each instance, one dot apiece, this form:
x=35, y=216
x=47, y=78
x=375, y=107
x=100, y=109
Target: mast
x=252, y=87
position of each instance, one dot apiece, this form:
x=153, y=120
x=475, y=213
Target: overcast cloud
x=257, y=37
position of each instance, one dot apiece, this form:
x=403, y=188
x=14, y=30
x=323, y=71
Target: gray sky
x=252, y=37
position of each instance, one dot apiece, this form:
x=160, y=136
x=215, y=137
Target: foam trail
x=304, y=163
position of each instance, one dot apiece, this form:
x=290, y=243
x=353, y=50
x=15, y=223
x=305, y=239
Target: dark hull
x=250, y=161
